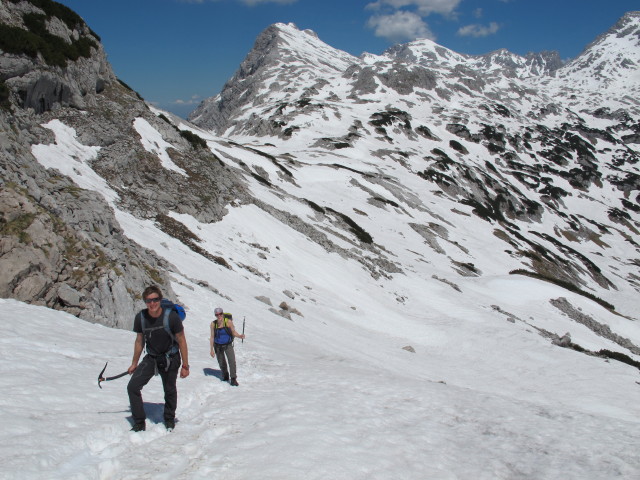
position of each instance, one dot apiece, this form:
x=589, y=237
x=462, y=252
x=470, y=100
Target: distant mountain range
x=545, y=153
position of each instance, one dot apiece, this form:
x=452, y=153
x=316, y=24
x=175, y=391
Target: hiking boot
x=234, y=382
x=169, y=425
x=225, y=377
x=139, y=427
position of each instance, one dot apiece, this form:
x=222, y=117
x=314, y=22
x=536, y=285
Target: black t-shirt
x=158, y=341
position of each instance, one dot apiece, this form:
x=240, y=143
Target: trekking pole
x=243, y=320
x=102, y=379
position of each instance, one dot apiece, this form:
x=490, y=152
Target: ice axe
x=103, y=379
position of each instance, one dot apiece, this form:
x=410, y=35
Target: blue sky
x=177, y=52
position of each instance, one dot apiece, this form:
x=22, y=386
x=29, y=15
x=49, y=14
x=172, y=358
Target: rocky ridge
x=61, y=245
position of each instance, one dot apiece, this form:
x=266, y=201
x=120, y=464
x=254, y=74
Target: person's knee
x=133, y=388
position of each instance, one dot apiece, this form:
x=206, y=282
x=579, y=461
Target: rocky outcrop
x=64, y=63
x=61, y=245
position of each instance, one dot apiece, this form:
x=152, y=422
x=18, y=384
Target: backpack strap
x=165, y=324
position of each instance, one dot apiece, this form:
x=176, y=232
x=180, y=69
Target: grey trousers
x=221, y=351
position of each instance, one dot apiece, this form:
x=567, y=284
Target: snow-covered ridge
x=288, y=70
x=612, y=60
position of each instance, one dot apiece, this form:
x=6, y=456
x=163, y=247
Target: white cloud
x=477, y=30
x=423, y=7
x=195, y=99
x=400, y=26
x=252, y=3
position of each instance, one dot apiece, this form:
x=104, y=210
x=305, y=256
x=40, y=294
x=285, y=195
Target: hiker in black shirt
x=165, y=351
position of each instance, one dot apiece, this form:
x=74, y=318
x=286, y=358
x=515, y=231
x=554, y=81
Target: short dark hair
x=151, y=289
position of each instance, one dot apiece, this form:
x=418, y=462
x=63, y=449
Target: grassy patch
x=17, y=226
x=5, y=104
x=154, y=274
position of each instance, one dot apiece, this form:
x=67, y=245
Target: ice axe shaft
x=103, y=379
x=243, y=320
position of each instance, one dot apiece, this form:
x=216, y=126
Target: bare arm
x=138, y=345
x=233, y=330
x=184, y=353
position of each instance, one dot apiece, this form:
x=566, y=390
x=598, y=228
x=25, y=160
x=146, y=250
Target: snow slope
x=357, y=406
x=332, y=394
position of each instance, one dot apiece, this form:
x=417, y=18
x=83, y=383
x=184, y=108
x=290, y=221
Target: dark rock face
x=44, y=93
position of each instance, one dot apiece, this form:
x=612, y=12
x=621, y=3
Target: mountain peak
x=424, y=52
x=279, y=53
x=612, y=59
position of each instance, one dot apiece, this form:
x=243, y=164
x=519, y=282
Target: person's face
x=153, y=304
x=218, y=316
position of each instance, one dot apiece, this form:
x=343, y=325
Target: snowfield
x=330, y=396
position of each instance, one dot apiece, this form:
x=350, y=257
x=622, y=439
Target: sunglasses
x=218, y=314
x=152, y=300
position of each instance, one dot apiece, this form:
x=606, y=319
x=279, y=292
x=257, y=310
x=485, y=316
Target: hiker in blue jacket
x=222, y=334
x=166, y=349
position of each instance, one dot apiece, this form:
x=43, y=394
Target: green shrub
x=315, y=206
x=356, y=229
x=130, y=89
x=4, y=96
x=621, y=357
x=37, y=40
x=195, y=141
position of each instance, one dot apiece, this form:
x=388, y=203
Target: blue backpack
x=168, y=305
x=223, y=335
